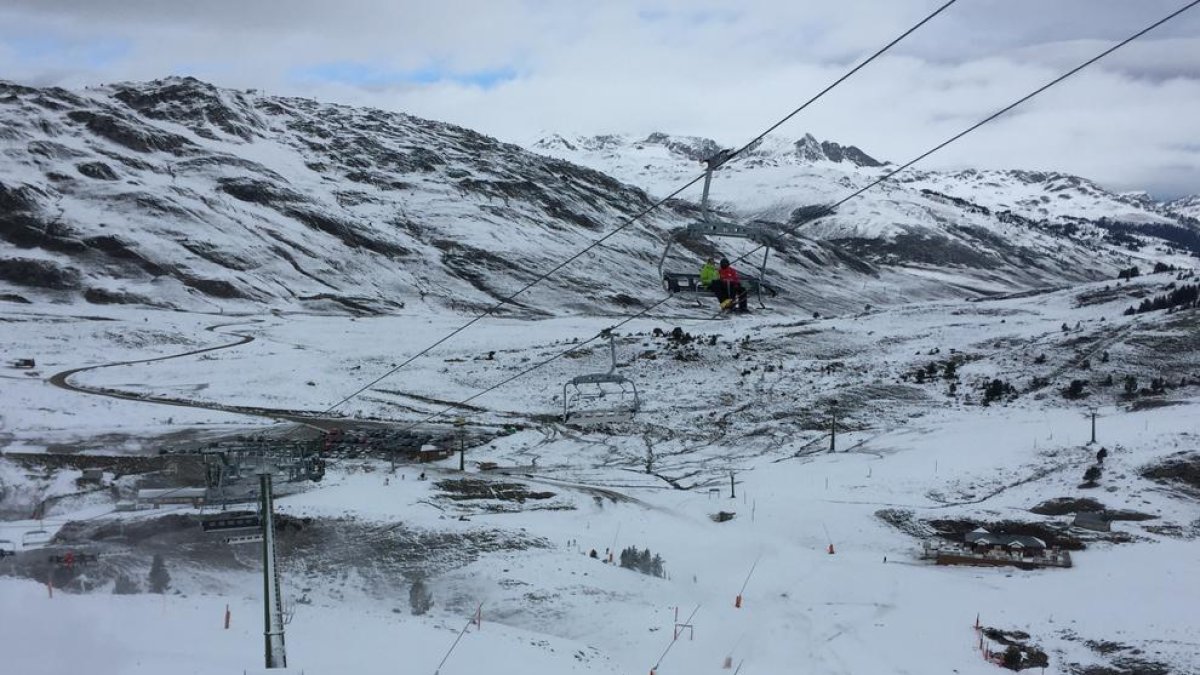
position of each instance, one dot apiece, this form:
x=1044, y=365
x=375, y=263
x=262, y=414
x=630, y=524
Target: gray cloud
x=515, y=68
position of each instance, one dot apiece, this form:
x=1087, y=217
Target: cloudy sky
x=519, y=69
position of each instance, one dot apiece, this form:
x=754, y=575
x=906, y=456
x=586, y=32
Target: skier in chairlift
x=710, y=278
x=734, y=293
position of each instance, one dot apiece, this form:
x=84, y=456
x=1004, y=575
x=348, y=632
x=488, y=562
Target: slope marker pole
x=738, y=601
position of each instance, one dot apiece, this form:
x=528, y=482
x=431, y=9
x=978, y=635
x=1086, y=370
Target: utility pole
x=833, y=425
x=276, y=656
x=1093, y=441
x=732, y=493
x=460, y=423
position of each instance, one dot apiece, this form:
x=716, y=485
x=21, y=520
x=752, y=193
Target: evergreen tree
x=643, y=561
x=1075, y=389
x=160, y=579
x=124, y=586
x=419, y=598
x=656, y=566
x=1130, y=384
x=995, y=390
x=629, y=557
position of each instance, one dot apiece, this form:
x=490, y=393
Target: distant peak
x=700, y=148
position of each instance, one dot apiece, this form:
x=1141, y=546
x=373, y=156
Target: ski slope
x=754, y=401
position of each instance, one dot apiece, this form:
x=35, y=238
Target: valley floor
x=749, y=397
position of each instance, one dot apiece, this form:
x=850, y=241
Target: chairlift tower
x=238, y=465
x=460, y=424
x=276, y=655
x=833, y=425
x=246, y=527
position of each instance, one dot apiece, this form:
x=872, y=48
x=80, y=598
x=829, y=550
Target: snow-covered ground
x=749, y=395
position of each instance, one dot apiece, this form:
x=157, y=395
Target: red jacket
x=729, y=275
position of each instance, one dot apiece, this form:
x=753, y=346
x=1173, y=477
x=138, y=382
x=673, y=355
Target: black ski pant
x=719, y=290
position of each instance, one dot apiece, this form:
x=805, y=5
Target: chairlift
x=34, y=538
x=235, y=527
x=228, y=522
x=7, y=547
x=71, y=558
x=764, y=233
x=600, y=398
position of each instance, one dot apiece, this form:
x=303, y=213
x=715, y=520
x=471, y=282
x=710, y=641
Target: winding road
x=62, y=380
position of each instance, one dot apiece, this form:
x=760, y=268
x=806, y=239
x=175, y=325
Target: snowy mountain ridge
x=772, y=150
x=1018, y=206
x=661, y=161
x=176, y=193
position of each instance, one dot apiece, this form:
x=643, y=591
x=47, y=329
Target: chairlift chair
x=73, y=558
x=34, y=538
x=7, y=547
x=763, y=233
x=600, y=398
x=236, y=527
x=230, y=521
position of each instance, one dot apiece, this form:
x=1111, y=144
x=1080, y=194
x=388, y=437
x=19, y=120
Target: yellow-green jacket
x=708, y=274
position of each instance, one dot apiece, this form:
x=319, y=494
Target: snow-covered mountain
x=886, y=432
x=176, y=193
x=1188, y=206
x=967, y=217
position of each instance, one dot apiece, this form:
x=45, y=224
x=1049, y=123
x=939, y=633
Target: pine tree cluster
x=998, y=390
x=1129, y=272
x=1182, y=297
x=643, y=561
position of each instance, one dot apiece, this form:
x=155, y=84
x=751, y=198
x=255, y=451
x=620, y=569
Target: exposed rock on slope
x=180, y=194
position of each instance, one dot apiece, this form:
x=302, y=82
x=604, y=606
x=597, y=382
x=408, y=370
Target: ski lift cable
x=990, y=118
x=725, y=158
x=642, y=312
x=1020, y=101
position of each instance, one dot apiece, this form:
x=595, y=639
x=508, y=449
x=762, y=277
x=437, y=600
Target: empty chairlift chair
x=236, y=527
x=600, y=398
x=34, y=538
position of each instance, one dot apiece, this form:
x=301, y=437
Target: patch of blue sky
x=368, y=75
x=86, y=53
